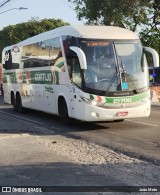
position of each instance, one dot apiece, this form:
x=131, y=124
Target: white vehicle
x=90, y=73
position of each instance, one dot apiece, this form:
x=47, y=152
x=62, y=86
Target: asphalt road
x=139, y=137
x=26, y=147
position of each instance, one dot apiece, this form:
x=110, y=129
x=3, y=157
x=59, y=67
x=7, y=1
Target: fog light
x=94, y=114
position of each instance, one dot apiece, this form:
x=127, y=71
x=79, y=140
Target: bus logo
x=43, y=77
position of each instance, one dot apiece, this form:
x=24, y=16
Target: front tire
x=63, y=111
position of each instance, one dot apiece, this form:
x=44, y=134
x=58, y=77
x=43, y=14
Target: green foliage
x=137, y=15
x=126, y=13
x=13, y=34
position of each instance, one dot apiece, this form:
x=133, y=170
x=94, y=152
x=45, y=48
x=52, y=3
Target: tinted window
x=44, y=53
x=11, y=60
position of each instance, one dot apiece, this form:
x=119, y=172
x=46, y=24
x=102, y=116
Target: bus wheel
x=63, y=110
x=17, y=105
x=2, y=90
x=12, y=98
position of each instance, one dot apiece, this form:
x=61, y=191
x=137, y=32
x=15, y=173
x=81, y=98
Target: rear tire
x=17, y=104
x=2, y=93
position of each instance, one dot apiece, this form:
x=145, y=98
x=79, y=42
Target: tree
x=137, y=15
x=13, y=34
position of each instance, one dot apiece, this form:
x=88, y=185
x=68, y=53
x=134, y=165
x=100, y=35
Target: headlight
x=92, y=102
x=88, y=101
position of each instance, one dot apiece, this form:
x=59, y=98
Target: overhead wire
x=66, y=3
x=5, y=4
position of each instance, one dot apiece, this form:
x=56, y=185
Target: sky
x=57, y=9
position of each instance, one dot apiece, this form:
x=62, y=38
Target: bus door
x=76, y=79
x=49, y=98
x=38, y=96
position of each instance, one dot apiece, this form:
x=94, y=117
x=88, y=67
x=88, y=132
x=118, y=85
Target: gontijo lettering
x=43, y=77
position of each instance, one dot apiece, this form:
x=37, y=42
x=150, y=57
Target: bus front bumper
x=93, y=113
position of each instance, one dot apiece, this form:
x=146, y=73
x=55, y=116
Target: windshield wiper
x=123, y=74
x=111, y=82
x=123, y=71
x=120, y=69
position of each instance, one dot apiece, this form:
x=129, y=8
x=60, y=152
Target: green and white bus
x=89, y=73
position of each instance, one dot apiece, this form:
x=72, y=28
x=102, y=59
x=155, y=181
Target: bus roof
x=93, y=32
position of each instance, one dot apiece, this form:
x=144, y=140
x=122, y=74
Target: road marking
x=29, y=120
x=144, y=123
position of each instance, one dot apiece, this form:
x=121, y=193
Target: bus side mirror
x=81, y=56
x=154, y=54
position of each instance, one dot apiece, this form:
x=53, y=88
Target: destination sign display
x=97, y=43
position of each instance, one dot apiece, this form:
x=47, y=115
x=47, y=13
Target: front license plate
x=122, y=113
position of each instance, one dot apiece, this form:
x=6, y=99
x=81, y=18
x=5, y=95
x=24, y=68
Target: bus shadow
x=41, y=123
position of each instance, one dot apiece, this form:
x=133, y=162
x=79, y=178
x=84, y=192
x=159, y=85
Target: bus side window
x=15, y=66
x=69, y=66
x=55, y=54
x=76, y=74
x=26, y=64
x=71, y=56
x=8, y=60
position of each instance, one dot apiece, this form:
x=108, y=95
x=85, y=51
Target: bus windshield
x=114, y=66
